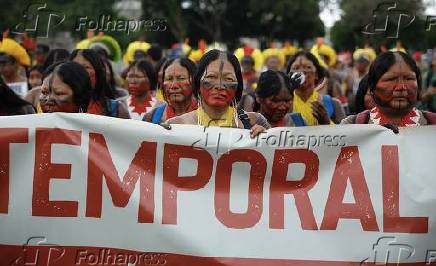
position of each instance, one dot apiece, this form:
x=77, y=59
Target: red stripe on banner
x=53, y=255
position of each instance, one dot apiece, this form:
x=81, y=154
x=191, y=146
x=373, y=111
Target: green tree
x=287, y=19
x=72, y=10
x=226, y=21
x=11, y=15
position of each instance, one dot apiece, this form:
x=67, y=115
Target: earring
x=198, y=107
x=235, y=115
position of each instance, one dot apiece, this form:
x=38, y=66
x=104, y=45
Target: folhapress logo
x=39, y=20
x=388, y=19
x=37, y=252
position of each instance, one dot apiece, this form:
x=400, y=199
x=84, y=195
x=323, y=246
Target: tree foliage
x=226, y=21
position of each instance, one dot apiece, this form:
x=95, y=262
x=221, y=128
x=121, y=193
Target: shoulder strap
x=328, y=104
x=112, y=107
x=430, y=117
x=157, y=114
x=298, y=120
x=244, y=118
x=362, y=117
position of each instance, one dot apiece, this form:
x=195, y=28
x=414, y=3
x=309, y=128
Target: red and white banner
x=79, y=189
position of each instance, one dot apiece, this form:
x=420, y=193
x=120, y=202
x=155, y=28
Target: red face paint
x=139, y=89
x=275, y=111
x=177, y=92
x=395, y=94
x=213, y=89
x=53, y=107
x=218, y=97
x=276, y=107
x=182, y=87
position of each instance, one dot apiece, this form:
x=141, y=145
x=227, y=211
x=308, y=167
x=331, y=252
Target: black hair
x=360, y=95
x=148, y=70
x=9, y=100
x=160, y=64
x=55, y=55
x=112, y=84
x=213, y=55
x=382, y=64
x=184, y=62
x=102, y=89
x=155, y=52
x=320, y=71
x=40, y=69
x=50, y=69
x=101, y=52
x=75, y=75
x=270, y=84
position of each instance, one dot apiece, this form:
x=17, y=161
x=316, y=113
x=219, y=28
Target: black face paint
x=50, y=105
x=222, y=58
x=206, y=84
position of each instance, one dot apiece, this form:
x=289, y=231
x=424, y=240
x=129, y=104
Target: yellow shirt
x=226, y=120
x=38, y=108
x=159, y=95
x=305, y=107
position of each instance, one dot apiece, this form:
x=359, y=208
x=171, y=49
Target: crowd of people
x=247, y=88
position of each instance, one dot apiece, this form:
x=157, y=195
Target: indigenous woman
x=102, y=98
x=218, y=85
x=274, y=96
x=177, y=80
x=54, y=56
x=315, y=108
x=67, y=89
x=141, y=82
x=394, y=81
